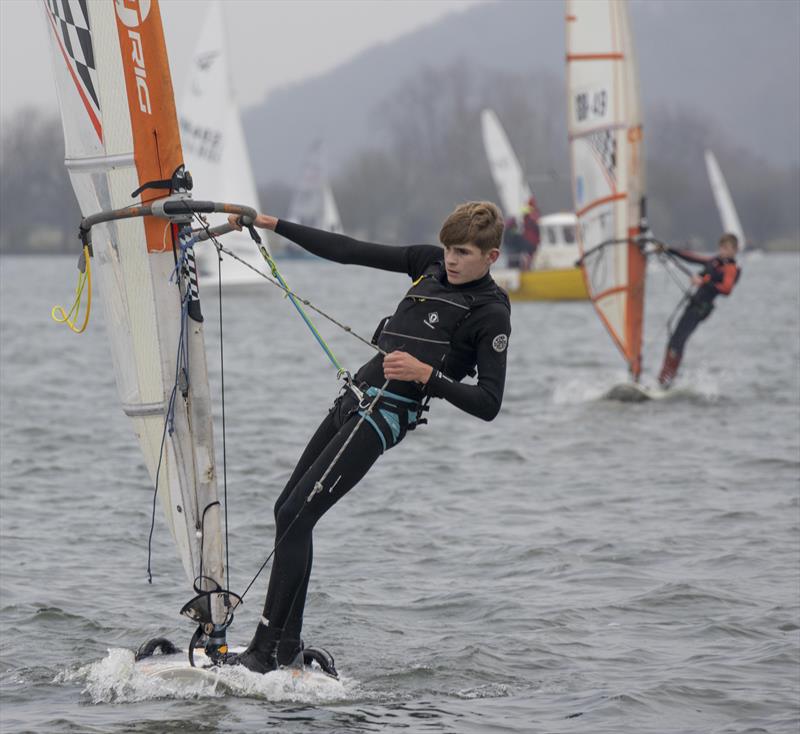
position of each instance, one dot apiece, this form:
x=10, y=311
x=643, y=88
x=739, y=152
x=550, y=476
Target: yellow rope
x=84, y=279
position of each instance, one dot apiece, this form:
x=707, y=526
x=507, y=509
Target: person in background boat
x=517, y=248
x=453, y=320
x=718, y=276
x=530, y=228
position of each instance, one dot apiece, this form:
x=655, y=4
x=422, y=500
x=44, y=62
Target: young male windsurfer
x=453, y=320
x=718, y=276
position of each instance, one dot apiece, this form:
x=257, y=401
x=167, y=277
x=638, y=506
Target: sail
x=512, y=188
x=312, y=203
x=216, y=152
x=331, y=221
x=120, y=129
x=608, y=185
x=722, y=197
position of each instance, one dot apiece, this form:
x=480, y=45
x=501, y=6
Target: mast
x=608, y=181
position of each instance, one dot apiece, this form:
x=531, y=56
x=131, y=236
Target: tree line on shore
x=432, y=157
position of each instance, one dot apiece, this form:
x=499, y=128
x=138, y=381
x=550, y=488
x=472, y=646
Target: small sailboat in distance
x=608, y=177
x=509, y=178
x=724, y=200
x=313, y=203
x=216, y=152
x=554, y=276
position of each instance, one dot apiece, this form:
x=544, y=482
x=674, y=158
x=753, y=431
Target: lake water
x=577, y=565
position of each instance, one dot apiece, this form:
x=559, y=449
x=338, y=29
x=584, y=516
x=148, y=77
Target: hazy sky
x=271, y=44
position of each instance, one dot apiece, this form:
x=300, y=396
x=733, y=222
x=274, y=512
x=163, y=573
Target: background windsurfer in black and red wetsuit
x=719, y=275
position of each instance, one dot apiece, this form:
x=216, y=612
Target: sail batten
x=605, y=136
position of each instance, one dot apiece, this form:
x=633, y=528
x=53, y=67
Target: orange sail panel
x=605, y=137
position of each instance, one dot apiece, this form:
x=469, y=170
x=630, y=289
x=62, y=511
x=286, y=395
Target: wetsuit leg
x=326, y=430
x=296, y=518
x=688, y=323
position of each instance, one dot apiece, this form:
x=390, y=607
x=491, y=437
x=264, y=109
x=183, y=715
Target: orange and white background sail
x=605, y=135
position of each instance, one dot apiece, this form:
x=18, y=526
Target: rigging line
x=285, y=289
x=667, y=260
x=310, y=324
x=316, y=489
x=170, y=406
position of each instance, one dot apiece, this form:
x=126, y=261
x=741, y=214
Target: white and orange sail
x=121, y=131
x=608, y=181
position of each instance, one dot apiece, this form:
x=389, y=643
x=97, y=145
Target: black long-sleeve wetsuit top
x=479, y=341
x=719, y=274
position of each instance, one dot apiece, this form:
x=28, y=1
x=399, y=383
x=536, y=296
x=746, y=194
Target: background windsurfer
x=453, y=320
x=719, y=275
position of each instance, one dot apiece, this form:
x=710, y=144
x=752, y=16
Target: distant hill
x=736, y=64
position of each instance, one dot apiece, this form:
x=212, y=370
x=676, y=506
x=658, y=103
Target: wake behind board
x=633, y=392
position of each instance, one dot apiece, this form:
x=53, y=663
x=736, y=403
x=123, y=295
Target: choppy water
x=575, y=566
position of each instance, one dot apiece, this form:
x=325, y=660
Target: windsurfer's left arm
x=689, y=256
x=492, y=327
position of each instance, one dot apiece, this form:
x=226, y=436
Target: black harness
x=423, y=325
x=428, y=317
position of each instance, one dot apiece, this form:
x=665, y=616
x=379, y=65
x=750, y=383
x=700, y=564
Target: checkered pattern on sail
x=71, y=21
x=604, y=144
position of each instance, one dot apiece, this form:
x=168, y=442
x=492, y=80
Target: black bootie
x=290, y=653
x=260, y=653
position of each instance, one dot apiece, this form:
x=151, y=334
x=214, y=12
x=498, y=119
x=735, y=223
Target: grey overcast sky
x=316, y=34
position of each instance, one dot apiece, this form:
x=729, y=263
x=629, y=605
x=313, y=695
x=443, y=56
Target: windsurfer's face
x=726, y=249
x=465, y=263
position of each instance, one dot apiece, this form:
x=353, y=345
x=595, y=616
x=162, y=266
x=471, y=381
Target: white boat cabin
x=558, y=242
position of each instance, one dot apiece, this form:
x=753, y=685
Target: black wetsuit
x=719, y=276
x=479, y=340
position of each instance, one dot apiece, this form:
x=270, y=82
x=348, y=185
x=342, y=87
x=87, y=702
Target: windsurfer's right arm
x=410, y=259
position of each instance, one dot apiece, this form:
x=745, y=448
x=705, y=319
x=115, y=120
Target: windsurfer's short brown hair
x=477, y=222
x=731, y=239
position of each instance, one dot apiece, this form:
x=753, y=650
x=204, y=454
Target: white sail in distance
x=216, y=152
x=121, y=131
x=313, y=203
x=724, y=200
x=509, y=179
x=606, y=150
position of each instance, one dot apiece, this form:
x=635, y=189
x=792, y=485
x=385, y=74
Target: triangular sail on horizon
x=723, y=199
x=313, y=203
x=606, y=151
x=121, y=131
x=507, y=173
x=216, y=151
